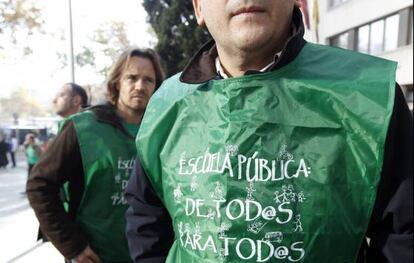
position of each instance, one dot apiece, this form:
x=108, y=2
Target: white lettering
x=252, y=246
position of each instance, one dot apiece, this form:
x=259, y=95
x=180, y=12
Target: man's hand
x=87, y=256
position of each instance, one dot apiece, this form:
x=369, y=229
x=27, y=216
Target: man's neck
x=70, y=112
x=222, y=73
x=129, y=115
x=236, y=65
x=236, y=62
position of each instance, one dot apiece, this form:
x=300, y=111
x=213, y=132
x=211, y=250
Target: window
x=379, y=36
x=410, y=27
x=333, y=3
x=376, y=37
x=340, y=40
x=391, y=32
x=363, y=39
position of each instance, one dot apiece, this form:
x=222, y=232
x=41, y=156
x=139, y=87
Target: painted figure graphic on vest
x=92, y=158
x=293, y=146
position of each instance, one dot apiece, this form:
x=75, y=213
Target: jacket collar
x=106, y=113
x=201, y=67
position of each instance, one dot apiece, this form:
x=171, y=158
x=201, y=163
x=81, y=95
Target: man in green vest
x=270, y=149
x=70, y=99
x=93, y=156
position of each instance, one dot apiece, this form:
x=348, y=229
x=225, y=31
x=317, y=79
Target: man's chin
x=60, y=113
x=251, y=40
x=138, y=107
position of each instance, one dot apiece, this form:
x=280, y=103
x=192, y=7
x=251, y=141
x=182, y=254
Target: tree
x=111, y=39
x=102, y=47
x=179, y=36
x=19, y=16
x=21, y=101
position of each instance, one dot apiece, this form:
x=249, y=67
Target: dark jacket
x=149, y=229
x=4, y=148
x=62, y=163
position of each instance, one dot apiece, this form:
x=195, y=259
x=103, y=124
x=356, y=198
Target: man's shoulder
x=84, y=116
x=173, y=79
x=88, y=119
x=338, y=64
x=345, y=54
x=174, y=84
x=165, y=99
x=173, y=89
x=100, y=113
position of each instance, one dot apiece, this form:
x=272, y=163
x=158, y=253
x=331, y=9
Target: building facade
x=381, y=28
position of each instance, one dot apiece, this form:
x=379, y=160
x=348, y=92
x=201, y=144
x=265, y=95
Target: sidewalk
x=18, y=224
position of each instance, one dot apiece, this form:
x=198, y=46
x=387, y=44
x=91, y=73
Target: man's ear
x=76, y=100
x=198, y=14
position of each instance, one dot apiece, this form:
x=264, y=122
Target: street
x=18, y=224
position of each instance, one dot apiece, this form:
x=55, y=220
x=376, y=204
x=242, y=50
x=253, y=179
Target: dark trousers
x=30, y=169
x=13, y=158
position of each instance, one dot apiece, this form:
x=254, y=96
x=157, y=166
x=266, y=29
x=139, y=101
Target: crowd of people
x=30, y=146
x=265, y=148
x=69, y=100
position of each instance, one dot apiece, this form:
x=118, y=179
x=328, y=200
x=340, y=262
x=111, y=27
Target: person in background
x=70, y=100
x=267, y=148
x=14, y=145
x=93, y=155
x=4, y=148
x=32, y=150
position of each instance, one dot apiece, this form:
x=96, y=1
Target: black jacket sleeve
x=149, y=228
x=61, y=163
x=391, y=226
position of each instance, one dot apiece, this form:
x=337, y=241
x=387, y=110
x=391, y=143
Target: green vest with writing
x=275, y=167
x=108, y=156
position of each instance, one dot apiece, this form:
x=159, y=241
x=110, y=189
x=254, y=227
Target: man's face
x=137, y=84
x=245, y=24
x=64, y=102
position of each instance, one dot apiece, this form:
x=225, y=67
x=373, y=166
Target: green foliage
x=179, y=36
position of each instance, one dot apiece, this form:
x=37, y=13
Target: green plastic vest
x=275, y=167
x=108, y=156
x=61, y=124
x=65, y=196
x=32, y=155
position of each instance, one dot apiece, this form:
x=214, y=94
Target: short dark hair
x=77, y=90
x=123, y=61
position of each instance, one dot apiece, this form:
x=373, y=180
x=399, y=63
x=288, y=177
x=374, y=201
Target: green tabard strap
x=108, y=156
x=65, y=189
x=275, y=167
